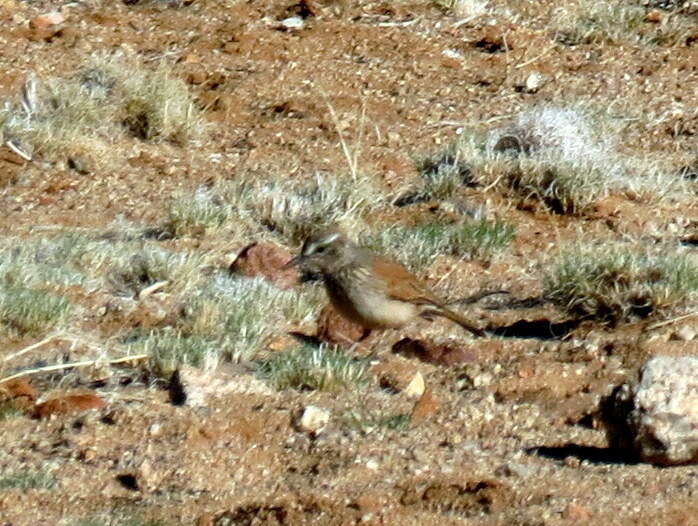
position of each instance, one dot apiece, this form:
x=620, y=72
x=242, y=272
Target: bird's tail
x=459, y=319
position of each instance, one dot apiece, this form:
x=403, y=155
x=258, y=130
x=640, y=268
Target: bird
x=369, y=289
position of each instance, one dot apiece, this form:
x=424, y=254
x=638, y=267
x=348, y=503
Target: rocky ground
x=443, y=428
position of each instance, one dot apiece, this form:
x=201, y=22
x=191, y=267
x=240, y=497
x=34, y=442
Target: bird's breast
x=361, y=298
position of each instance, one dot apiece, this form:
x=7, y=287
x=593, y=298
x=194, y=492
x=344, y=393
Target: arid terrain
x=502, y=150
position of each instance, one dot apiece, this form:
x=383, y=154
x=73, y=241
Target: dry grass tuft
x=417, y=247
x=614, y=284
x=314, y=368
x=564, y=158
x=83, y=116
x=243, y=314
x=613, y=22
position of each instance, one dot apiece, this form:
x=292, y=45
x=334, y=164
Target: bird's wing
x=402, y=285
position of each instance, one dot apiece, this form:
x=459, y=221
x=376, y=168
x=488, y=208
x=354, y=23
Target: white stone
x=416, y=387
x=313, y=419
x=664, y=418
x=293, y=22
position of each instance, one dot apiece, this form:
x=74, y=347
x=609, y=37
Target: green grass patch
x=367, y=422
x=615, y=284
x=29, y=311
x=314, y=368
x=29, y=479
x=417, y=247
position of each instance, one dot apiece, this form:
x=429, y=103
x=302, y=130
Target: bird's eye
x=319, y=250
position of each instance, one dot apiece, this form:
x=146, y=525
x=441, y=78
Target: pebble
x=314, y=419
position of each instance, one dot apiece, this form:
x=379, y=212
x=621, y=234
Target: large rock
x=662, y=411
x=268, y=261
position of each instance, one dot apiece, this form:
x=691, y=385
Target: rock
x=685, y=333
x=416, y=386
x=424, y=408
x=313, y=419
x=658, y=417
x=654, y=16
x=576, y=513
x=194, y=387
x=394, y=373
x=46, y=26
x=47, y=20
x=19, y=388
x=335, y=329
x=534, y=82
x=292, y=23
x=266, y=260
x=69, y=404
x=448, y=353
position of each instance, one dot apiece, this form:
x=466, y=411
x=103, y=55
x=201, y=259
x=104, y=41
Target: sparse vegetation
x=295, y=209
x=313, y=368
x=29, y=311
x=444, y=173
x=417, y=247
x=241, y=314
x=609, y=21
x=28, y=479
x=615, y=284
x=198, y=214
x=80, y=117
x=168, y=349
x=370, y=421
x=9, y=410
x=562, y=158
x=130, y=267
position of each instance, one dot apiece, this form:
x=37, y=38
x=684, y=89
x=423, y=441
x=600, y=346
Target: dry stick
x=70, y=365
x=32, y=347
x=669, y=322
x=537, y=57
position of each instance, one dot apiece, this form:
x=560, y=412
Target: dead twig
x=671, y=321
x=71, y=365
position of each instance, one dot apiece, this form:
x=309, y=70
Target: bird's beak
x=293, y=262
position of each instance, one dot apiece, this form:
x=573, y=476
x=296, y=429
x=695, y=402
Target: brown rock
x=196, y=74
x=334, y=328
x=266, y=260
x=46, y=26
x=19, y=388
x=448, y=353
x=47, y=20
x=68, y=405
x=424, y=408
x=394, y=373
x=576, y=513
x=654, y=16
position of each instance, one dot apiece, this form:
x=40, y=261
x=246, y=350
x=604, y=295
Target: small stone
x=268, y=261
x=46, y=20
x=416, y=386
x=313, y=419
x=424, y=408
x=69, y=404
x=534, y=82
x=292, y=23
x=576, y=513
x=685, y=333
x=654, y=16
x=372, y=465
x=45, y=27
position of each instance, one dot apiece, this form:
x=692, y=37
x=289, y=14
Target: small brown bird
x=368, y=289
